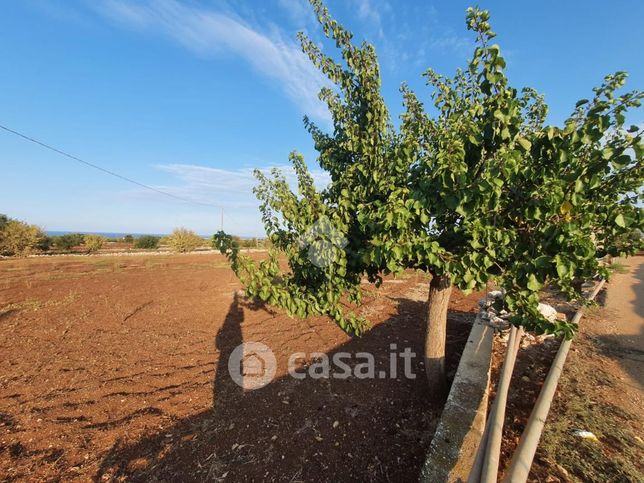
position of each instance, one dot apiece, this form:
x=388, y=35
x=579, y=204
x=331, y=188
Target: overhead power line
x=107, y=171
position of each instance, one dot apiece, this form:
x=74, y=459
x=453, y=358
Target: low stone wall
x=453, y=449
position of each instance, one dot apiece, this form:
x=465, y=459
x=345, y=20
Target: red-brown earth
x=115, y=368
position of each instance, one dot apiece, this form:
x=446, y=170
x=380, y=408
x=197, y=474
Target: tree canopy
x=478, y=189
x=18, y=238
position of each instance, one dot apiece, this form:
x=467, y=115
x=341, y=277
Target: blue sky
x=190, y=96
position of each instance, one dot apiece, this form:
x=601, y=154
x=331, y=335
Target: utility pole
x=222, y=218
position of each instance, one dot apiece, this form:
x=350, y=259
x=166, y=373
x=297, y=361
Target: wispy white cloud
x=299, y=11
x=234, y=180
x=408, y=33
x=208, y=32
x=450, y=42
x=223, y=187
x=228, y=189
x=370, y=13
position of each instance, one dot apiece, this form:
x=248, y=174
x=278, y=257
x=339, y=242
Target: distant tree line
x=252, y=242
x=18, y=238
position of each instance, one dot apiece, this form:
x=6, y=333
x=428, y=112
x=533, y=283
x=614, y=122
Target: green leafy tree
x=128, y=239
x=18, y=238
x=480, y=190
x=45, y=243
x=183, y=240
x=94, y=243
x=4, y=219
x=147, y=241
x=68, y=241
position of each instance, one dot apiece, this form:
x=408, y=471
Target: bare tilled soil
x=115, y=368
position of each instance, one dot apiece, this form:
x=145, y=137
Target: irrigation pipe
x=524, y=454
x=475, y=472
x=493, y=443
x=486, y=465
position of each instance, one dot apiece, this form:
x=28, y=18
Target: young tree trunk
x=440, y=289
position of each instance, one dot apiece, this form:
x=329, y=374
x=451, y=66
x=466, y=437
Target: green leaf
x=621, y=161
x=565, y=208
x=579, y=186
x=562, y=269
x=619, y=221
x=542, y=261
x=550, y=132
x=525, y=144
x=475, y=244
x=451, y=202
x=533, y=283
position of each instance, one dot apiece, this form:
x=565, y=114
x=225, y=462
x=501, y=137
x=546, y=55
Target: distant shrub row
x=18, y=238
x=146, y=241
x=252, y=242
x=183, y=240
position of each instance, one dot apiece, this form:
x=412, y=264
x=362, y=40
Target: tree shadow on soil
x=628, y=349
x=7, y=313
x=303, y=429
